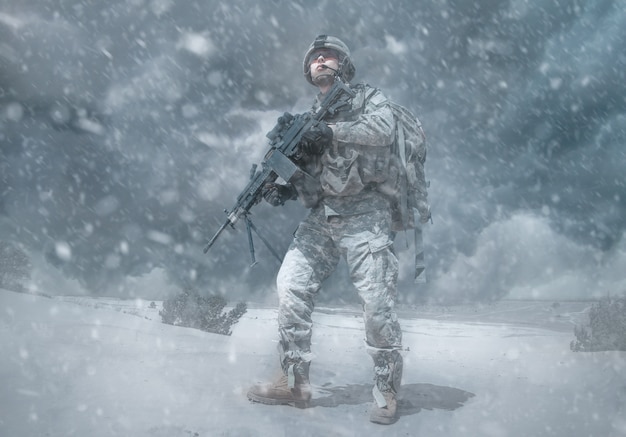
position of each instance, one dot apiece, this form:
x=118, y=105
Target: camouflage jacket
x=344, y=177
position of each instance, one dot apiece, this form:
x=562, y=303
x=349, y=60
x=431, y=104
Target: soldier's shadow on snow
x=411, y=399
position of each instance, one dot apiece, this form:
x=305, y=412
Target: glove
x=277, y=194
x=316, y=139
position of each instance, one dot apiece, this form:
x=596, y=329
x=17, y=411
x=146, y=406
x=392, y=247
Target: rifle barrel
x=217, y=234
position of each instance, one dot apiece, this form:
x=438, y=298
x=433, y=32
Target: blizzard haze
x=127, y=126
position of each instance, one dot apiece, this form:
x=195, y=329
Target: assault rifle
x=280, y=160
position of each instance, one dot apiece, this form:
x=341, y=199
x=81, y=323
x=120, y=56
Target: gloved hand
x=277, y=194
x=316, y=139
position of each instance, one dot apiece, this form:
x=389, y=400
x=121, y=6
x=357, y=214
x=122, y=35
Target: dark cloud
x=128, y=126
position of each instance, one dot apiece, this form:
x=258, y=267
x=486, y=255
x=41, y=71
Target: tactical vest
x=349, y=169
x=352, y=168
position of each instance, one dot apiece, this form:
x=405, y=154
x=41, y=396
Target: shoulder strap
x=400, y=140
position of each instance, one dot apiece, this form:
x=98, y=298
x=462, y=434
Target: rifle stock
x=282, y=157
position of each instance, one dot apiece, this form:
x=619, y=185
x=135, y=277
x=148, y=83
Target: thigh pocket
x=371, y=260
x=384, y=261
x=378, y=243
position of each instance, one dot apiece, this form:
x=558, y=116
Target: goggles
x=324, y=53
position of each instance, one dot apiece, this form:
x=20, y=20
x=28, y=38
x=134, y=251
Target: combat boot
x=388, y=412
x=292, y=387
x=387, y=380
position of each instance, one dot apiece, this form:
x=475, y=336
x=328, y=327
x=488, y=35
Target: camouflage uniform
x=351, y=219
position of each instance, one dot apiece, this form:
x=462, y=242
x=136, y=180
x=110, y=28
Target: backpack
x=406, y=184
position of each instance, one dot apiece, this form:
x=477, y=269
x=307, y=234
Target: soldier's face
x=322, y=63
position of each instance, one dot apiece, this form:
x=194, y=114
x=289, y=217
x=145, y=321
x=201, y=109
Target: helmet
x=346, y=68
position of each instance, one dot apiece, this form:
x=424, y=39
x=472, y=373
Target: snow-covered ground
x=106, y=367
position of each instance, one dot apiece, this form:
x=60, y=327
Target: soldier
x=345, y=158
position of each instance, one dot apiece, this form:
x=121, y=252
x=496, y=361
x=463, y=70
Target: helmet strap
x=340, y=69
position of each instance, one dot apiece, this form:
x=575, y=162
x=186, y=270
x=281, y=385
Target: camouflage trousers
x=320, y=241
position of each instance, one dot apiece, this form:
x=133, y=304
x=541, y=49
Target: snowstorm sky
x=126, y=127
